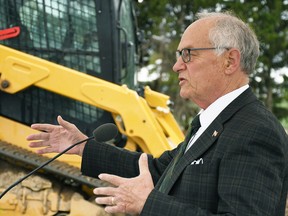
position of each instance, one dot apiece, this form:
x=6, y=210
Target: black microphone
x=103, y=133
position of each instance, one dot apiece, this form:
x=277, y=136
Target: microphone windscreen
x=105, y=132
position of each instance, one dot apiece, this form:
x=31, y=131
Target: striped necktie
x=193, y=128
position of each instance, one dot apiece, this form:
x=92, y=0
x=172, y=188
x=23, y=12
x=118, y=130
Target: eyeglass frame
x=179, y=52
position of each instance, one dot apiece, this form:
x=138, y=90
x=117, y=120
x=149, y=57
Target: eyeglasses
x=186, y=52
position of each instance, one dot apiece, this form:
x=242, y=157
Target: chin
x=183, y=95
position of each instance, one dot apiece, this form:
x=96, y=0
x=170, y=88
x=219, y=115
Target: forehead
x=196, y=34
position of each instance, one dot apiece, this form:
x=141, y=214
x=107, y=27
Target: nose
x=179, y=65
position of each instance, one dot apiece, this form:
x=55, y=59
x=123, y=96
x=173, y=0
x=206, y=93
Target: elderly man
x=233, y=163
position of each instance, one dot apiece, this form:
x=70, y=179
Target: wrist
x=81, y=148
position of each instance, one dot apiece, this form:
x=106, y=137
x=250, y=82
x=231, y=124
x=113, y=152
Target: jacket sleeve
x=105, y=158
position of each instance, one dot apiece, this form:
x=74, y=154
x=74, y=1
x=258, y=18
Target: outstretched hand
x=129, y=194
x=56, y=138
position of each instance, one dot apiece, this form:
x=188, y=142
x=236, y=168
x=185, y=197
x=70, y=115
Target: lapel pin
x=215, y=133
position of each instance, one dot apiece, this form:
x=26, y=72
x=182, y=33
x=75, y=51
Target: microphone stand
x=44, y=164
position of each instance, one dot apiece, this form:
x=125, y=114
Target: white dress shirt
x=208, y=115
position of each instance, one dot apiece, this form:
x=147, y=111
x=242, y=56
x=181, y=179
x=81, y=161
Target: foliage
x=163, y=21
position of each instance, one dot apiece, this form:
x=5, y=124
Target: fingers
x=113, y=179
x=111, y=203
x=41, y=139
x=43, y=127
x=129, y=194
x=40, y=143
x=39, y=136
x=45, y=150
x=106, y=200
x=37, y=144
x=104, y=191
x=115, y=209
x=50, y=127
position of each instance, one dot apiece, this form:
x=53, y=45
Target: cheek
x=205, y=80
x=200, y=79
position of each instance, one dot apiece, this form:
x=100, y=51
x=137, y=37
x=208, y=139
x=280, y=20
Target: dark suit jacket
x=238, y=166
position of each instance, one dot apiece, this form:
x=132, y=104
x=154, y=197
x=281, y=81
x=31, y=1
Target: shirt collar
x=208, y=115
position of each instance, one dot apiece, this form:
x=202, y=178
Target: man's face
x=201, y=79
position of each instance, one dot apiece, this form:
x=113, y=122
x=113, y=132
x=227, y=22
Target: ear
x=232, y=62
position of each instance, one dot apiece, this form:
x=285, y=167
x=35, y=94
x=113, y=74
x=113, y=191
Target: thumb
x=143, y=164
x=65, y=124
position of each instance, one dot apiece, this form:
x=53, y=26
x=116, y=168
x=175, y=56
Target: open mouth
x=181, y=80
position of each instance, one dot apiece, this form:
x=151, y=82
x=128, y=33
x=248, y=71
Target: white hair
x=230, y=31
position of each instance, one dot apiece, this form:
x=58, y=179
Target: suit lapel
x=202, y=144
x=210, y=135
